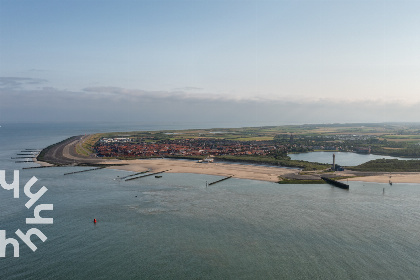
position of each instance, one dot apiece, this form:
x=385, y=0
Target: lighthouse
x=333, y=167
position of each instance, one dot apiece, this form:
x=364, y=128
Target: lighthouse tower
x=333, y=167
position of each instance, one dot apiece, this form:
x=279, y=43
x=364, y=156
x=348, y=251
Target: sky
x=254, y=62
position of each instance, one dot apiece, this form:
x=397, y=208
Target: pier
x=218, y=181
x=23, y=157
x=151, y=174
x=335, y=183
x=86, y=170
x=26, y=154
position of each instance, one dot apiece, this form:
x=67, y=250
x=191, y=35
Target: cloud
x=175, y=95
x=135, y=95
x=37, y=70
x=188, y=89
x=19, y=82
x=120, y=104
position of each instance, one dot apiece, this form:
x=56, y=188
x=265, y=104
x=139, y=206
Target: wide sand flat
x=262, y=173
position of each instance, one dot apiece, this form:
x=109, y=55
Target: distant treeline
x=409, y=151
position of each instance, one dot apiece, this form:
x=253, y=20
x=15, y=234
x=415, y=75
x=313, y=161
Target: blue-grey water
x=341, y=158
x=176, y=228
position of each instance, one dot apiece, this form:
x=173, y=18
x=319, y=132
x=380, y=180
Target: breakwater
x=22, y=157
x=218, y=181
x=335, y=183
x=86, y=170
x=129, y=179
x=33, y=167
x=132, y=175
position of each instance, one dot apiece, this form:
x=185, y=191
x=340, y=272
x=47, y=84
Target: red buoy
x=94, y=220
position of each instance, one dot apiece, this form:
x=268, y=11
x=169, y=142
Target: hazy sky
x=210, y=60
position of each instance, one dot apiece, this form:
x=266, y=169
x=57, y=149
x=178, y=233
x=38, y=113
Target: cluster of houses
x=115, y=140
x=183, y=147
x=149, y=147
x=359, y=150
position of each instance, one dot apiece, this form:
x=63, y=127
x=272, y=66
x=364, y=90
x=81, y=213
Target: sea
x=176, y=227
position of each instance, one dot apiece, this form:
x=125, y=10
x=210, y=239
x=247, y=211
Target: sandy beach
x=262, y=173
x=395, y=178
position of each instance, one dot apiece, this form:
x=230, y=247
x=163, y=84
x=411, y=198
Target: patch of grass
x=305, y=165
x=91, y=141
x=81, y=151
x=297, y=181
x=389, y=165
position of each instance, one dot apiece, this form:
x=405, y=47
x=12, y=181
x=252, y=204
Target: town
x=145, y=147
x=128, y=147
x=262, y=142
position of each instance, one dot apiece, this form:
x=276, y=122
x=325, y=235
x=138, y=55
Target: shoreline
x=42, y=163
x=64, y=153
x=241, y=171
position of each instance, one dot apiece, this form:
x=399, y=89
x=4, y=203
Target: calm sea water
x=176, y=228
x=341, y=158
